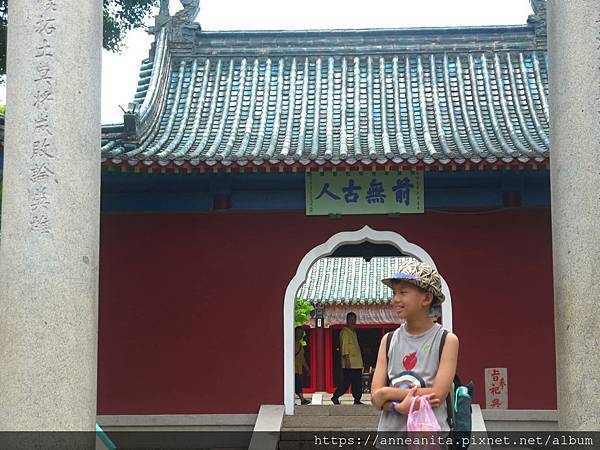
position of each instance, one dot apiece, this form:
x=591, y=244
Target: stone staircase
x=311, y=422
x=315, y=425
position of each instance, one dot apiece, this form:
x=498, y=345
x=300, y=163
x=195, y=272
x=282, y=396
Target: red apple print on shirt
x=410, y=361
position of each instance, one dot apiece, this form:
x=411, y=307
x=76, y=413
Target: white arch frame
x=346, y=237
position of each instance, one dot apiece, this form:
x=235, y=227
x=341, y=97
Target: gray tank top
x=413, y=361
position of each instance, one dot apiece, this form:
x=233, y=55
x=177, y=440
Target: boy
x=413, y=365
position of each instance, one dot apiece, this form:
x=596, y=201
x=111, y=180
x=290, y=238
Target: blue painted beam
x=461, y=197
x=156, y=202
x=267, y=192
x=269, y=200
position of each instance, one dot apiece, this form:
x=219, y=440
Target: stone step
x=303, y=439
x=302, y=434
x=331, y=422
x=336, y=410
x=310, y=445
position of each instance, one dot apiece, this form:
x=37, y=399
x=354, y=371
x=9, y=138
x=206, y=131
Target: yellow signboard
x=378, y=192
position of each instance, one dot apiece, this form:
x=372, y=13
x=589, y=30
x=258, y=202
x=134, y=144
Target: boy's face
x=409, y=301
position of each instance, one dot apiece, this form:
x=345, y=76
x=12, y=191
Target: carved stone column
x=50, y=216
x=574, y=64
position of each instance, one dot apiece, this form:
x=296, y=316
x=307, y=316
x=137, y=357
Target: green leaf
x=120, y=17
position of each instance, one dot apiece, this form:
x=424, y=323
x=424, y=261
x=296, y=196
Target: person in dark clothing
x=352, y=363
x=299, y=365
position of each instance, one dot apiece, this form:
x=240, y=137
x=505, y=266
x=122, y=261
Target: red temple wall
x=191, y=305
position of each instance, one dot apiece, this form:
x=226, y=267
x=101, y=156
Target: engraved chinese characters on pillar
x=496, y=388
x=42, y=153
x=598, y=66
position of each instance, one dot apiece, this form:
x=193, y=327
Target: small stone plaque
x=496, y=388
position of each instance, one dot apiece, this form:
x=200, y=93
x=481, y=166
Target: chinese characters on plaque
x=377, y=192
x=42, y=152
x=496, y=388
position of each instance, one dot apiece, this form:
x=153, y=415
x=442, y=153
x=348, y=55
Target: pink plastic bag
x=422, y=424
x=423, y=419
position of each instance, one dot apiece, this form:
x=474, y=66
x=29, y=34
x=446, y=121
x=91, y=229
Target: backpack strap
x=388, y=341
x=449, y=396
x=442, y=342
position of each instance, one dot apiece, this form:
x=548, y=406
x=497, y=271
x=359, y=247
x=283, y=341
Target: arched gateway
x=365, y=234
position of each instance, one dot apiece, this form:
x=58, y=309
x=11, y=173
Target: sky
x=120, y=71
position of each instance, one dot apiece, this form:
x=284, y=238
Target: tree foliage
x=302, y=312
x=120, y=16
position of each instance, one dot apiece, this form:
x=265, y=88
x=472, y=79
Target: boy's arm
x=379, y=381
x=398, y=394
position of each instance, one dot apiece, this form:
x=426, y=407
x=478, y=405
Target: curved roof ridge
x=361, y=41
x=410, y=30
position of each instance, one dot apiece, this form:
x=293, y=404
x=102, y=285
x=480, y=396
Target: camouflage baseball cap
x=420, y=274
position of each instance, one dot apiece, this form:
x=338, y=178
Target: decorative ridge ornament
x=539, y=17
x=190, y=11
x=164, y=8
x=184, y=19
x=181, y=19
x=538, y=6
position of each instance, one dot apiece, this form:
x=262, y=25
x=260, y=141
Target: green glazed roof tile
x=349, y=280
x=453, y=94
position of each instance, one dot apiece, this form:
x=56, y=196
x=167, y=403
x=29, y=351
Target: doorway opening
x=351, y=247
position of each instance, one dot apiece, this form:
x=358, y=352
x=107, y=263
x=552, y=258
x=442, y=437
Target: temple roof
x=349, y=280
x=417, y=97
x=429, y=96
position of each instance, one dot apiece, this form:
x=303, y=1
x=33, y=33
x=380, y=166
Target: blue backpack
x=458, y=405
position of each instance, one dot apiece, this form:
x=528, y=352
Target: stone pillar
x=321, y=359
x=50, y=216
x=574, y=64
